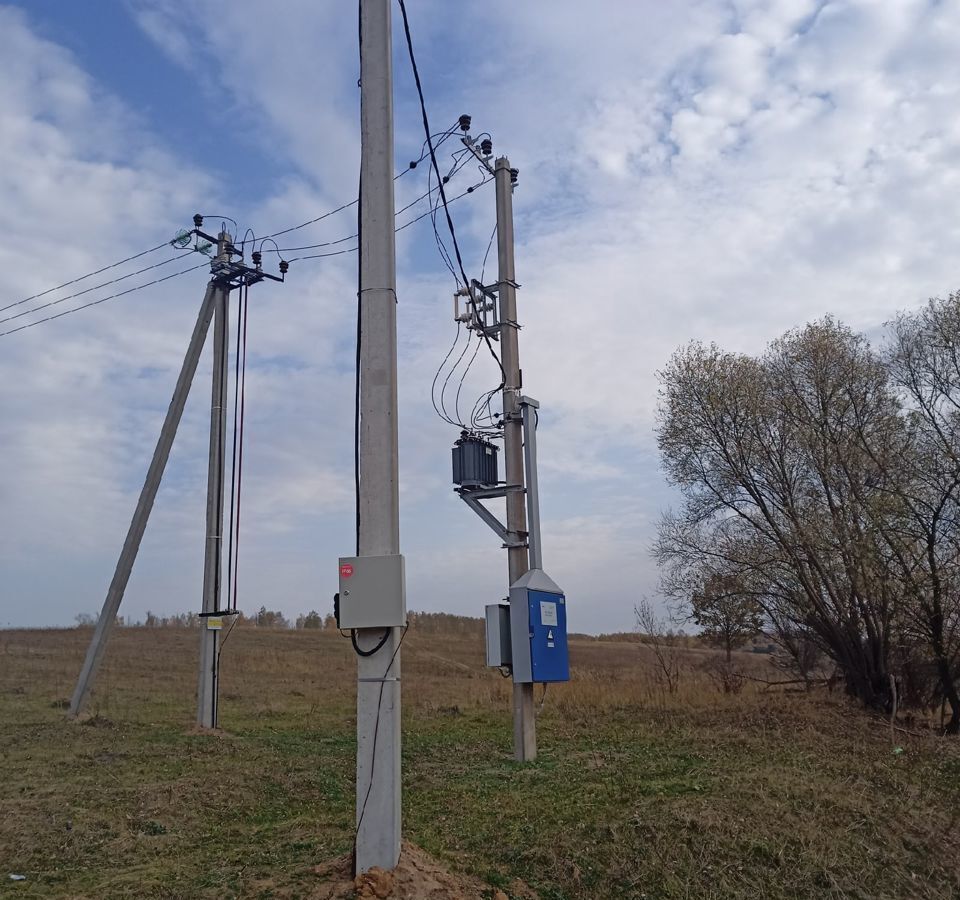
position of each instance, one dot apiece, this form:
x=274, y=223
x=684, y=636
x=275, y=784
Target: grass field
x=637, y=793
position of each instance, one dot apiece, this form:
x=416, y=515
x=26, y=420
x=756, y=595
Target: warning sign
x=214, y=623
x=346, y=570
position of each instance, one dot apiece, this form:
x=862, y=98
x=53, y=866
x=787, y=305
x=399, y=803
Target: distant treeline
x=427, y=622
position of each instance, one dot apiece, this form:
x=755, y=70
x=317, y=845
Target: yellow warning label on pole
x=214, y=623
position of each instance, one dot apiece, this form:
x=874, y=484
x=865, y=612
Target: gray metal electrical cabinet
x=372, y=592
x=498, y=634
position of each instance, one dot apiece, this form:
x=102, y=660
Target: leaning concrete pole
x=148, y=494
x=378, y=680
x=524, y=717
x=208, y=679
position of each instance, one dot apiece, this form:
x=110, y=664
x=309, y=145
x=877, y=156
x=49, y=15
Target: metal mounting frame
x=231, y=274
x=472, y=496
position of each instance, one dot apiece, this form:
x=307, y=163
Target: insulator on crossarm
x=514, y=175
x=486, y=147
x=465, y=123
x=284, y=266
x=257, y=256
x=198, y=221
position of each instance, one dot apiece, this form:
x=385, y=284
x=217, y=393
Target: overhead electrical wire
x=453, y=171
x=84, y=306
x=97, y=287
x=433, y=386
x=413, y=164
x=397, y=230
x=436, y=169
x=85, y=277
x=443, y=390
x=477, y=424
x=138, y=287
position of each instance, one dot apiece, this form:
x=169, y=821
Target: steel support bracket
x=473, y=496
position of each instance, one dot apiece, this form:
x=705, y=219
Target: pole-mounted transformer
x=475, y=462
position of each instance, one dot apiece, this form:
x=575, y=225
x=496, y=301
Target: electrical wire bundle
x=22, y=319
x=482, y=420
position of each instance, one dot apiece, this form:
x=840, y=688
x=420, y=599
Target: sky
x=712, y=170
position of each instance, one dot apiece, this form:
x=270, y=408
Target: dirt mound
x=418, y=877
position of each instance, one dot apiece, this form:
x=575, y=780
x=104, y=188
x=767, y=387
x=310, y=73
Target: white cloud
x=705, y=169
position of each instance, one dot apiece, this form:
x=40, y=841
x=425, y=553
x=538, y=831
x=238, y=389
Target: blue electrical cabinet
x=538, y=629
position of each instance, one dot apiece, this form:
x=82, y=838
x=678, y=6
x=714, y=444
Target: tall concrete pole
x=208, y=678
x=524, y=717
x=378, y=680
x=148, y=494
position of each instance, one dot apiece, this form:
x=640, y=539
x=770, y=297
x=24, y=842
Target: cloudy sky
x=717, y=170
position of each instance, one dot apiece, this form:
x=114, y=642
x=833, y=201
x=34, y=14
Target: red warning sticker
x=346, y=570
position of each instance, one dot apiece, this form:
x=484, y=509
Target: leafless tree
x=780, y=492
x=924, y=537
x=655, y=634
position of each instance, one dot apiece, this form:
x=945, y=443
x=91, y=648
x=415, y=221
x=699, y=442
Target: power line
x=85, y=277
x=422, y=216
x=97, y=287
x=400, y=228
x=413, y=164
x=458, y=164
x=444, y=135
x=436, y=168
x=454, y=169
x=433, y=386
x=138, y=287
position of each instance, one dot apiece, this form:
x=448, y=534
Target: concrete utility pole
x=524, y=718
x=148, y=494
x=208, y=680
x=378, y=679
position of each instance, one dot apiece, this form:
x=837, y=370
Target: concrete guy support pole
x=378, y=679
x=524, y=716
x=148, y=494
x=208, y=680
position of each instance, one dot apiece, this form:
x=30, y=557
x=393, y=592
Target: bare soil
x=417, y=877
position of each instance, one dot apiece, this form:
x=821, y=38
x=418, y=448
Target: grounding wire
x=376, y=729
x=241, y=389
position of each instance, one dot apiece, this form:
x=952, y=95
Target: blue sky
x=716, y=170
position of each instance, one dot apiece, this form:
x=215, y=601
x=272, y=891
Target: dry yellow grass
x=637, y=792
